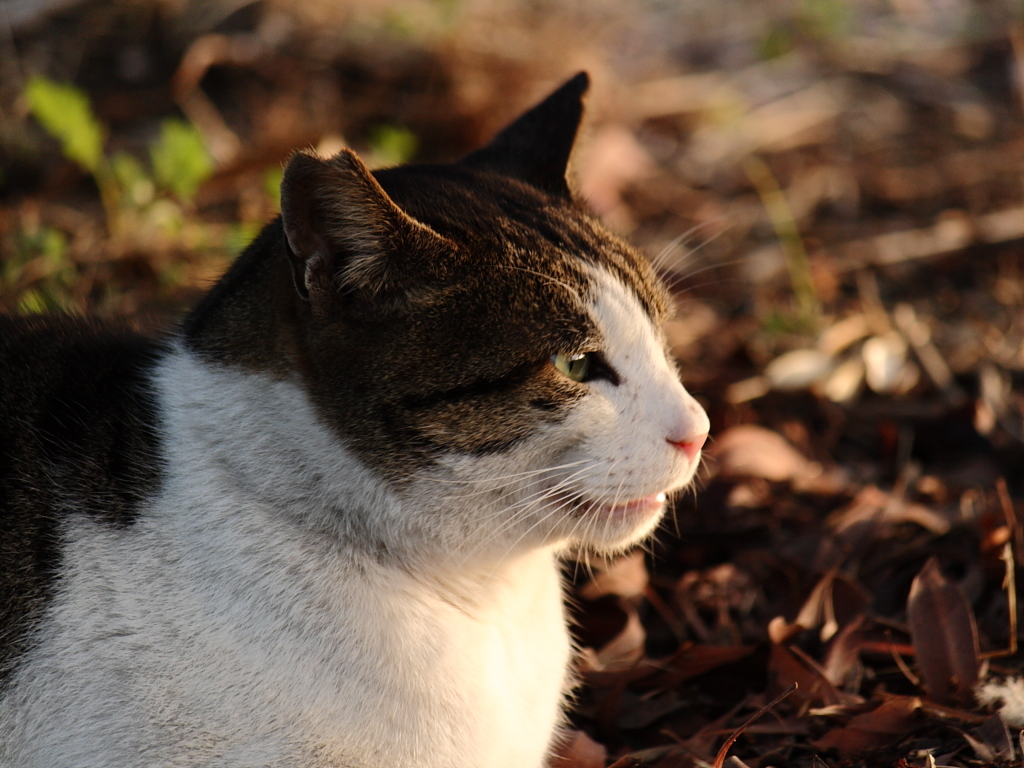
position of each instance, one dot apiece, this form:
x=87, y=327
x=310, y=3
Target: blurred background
x=834, y=190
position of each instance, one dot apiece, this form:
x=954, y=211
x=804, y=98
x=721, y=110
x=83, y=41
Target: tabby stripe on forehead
x=478, y=388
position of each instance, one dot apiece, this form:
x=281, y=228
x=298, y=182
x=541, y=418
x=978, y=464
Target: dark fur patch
x=79, y=434
x=537, y=146
x=464, y=369
x=431, y=297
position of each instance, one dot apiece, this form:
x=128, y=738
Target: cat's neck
x=251, y=317
x=257, y=430
x=255, y=439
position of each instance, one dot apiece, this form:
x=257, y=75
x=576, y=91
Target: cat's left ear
x=347, y=238
x=536, y=147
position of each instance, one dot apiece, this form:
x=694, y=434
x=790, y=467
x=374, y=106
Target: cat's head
x=477, y=338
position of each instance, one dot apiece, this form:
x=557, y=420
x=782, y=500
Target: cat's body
x=329, y=511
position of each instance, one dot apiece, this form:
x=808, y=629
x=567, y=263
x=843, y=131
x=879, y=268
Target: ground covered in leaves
x=835, y=192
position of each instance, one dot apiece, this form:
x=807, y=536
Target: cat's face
x=490, y=350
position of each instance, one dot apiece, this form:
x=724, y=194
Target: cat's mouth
x=642, y=508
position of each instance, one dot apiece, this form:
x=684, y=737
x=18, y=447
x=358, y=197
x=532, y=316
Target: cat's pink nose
x=690, y=446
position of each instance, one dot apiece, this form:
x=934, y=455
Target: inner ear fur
x=536, y=147
x=345, y=235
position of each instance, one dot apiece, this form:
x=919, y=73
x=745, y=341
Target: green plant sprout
x=41, y=257
x=145, y=199
x=784, y=223
x=65, y=113
x=272, y=185
x=179, y=160
x=392, y=145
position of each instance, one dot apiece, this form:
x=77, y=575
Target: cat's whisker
x=660, y=259
x=690, y=273
x=586, y=521
x=496, y=478
x=555, y=509
x=685, y=268
x=605, y=522
x=549, y=278
x=496, y=486
x=690, y=256
x=716, y=283
x=538, y=497
x=545, y=491
x=514, y=521
x=502, y=490
x=524, y=507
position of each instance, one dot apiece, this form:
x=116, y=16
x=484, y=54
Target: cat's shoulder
x=66, y=340
x=78, y=414
x=65, y=361
x=79, y=436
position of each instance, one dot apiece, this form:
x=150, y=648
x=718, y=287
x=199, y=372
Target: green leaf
x=53, y=247
x=64, y=112
x=393, y=144
x=240, y=236
x=776, y=42
x=136, y=186
x=272, y=185
x=180, y=160
x=32, y=302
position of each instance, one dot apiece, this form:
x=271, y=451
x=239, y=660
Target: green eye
x=575, y=367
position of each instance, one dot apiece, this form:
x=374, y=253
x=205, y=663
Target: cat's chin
x=637, y=510
x=615, y=525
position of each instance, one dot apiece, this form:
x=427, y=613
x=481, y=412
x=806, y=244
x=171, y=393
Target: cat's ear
x=346, y=236
x=536, y=147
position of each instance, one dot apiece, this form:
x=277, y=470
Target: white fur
x=277, y=604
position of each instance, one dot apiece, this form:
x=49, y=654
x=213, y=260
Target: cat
x=320, y=524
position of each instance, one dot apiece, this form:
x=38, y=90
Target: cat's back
x=79, y=435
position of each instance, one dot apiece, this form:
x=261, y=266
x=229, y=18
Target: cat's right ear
x=346, y=236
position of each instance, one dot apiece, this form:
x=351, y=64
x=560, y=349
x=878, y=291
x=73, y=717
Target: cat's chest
x=424, y=677
x=297, y=657
x=364, y=658
x=510, y=661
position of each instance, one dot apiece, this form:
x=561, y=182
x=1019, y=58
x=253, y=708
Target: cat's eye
x=575, y=367
x=584, y=367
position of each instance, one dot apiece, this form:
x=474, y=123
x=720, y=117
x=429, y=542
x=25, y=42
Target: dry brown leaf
x=627, y=647
x=626, y=577
x=599, y=621
x=996, y=738
x=639, y=711
x=843, y=333
x=842, y=661
x=575, y=749
x=881, y=726
x=698, y=659
x=703, y=743
x=833, y=602
x=873, y=505
x=944, y=635
x=688, y=662
x=781, y=631
x=798, y=369
x=814, y=687
x=748, y=450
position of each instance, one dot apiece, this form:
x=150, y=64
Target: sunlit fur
x=283, y=636
x=347, y=552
